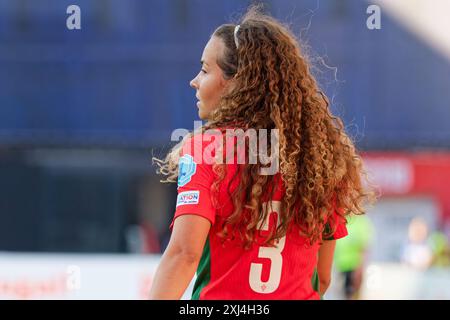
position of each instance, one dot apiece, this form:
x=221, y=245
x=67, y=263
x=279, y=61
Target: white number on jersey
x=272, y=253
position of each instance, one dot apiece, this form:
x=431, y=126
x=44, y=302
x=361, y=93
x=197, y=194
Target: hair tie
x=236, y=29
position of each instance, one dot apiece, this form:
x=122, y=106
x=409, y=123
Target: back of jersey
x=227, y=270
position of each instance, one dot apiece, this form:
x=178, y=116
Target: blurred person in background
x=417, y=252
x=352, y=253
x=253, y=235
x=440, y=249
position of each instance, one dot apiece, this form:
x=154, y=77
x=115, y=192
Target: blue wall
x=123, y=79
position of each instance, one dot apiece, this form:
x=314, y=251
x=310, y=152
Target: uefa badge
x=186, y=169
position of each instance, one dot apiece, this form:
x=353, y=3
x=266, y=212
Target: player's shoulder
x=205, y=147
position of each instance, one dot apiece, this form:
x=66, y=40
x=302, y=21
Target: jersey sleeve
x=338, y=222
x=195, y=177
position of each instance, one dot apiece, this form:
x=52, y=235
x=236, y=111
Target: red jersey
x=227, y=270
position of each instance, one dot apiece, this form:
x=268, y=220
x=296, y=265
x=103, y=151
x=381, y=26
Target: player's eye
x=203, y=71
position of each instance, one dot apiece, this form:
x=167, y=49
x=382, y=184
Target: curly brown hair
x=274, y=89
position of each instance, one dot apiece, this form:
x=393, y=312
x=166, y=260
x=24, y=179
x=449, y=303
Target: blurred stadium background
x=82, y=212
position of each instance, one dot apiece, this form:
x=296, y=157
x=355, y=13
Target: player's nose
x=193, y=83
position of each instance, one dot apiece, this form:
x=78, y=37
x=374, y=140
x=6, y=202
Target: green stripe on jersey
x=315, y=282
x=326, y=231
x=203, y=272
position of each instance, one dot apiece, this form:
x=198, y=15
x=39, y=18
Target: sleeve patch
x=188, y=197
x=186, y=169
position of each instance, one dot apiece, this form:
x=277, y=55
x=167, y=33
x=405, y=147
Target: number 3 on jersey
x=272, y=253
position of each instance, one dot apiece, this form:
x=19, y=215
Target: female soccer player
x=251, y=235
